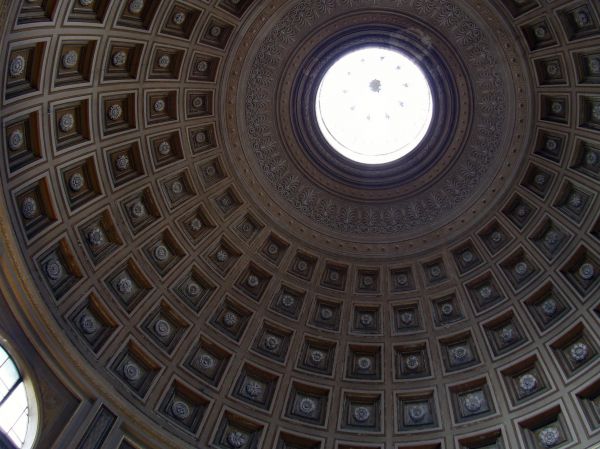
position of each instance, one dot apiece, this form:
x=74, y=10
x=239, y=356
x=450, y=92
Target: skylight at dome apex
x=374, y=105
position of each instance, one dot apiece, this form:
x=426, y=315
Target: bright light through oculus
x=374, y=105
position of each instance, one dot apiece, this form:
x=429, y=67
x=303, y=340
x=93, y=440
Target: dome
x=301, y=224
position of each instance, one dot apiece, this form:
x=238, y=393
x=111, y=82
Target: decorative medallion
x=230, y=319
x=69, y=59
x=164, y=61
x=528, y=383
x=473, y=403
x=361, y=414
x=29, y=207
x=136, y=6
x=236, y=439
x=54, y=269
x=579, y=352
x=119, y=59
x=417, y=412
x=162, y=328
x=76, y=182
x=587, y=271
x=138, y=210
x=96, y=236
x=253, y=389
x=122, y=162
x=66, y=122
x=307, y=406
x=180, y=410
x=132, y=371
x=206, y=361
x=115, y=112
x=549, y=436
x=222, y=256
x=179, y=18
x=125, y=286
x=164, y=147
x=15, y=140
x=88, y=323
x=17, y=66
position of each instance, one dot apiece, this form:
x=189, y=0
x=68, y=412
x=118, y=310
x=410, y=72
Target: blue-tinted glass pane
x=3, y=355
x=9, y=374
x=13, y=408
x=20, y=427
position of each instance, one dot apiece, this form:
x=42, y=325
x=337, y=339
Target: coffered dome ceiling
x=199, y=254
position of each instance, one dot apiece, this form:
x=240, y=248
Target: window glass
x=14, y=409
x=374, y=105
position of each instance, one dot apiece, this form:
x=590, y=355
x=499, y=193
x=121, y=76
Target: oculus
x=374, y=105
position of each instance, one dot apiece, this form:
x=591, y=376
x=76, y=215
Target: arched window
x=14, y=408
